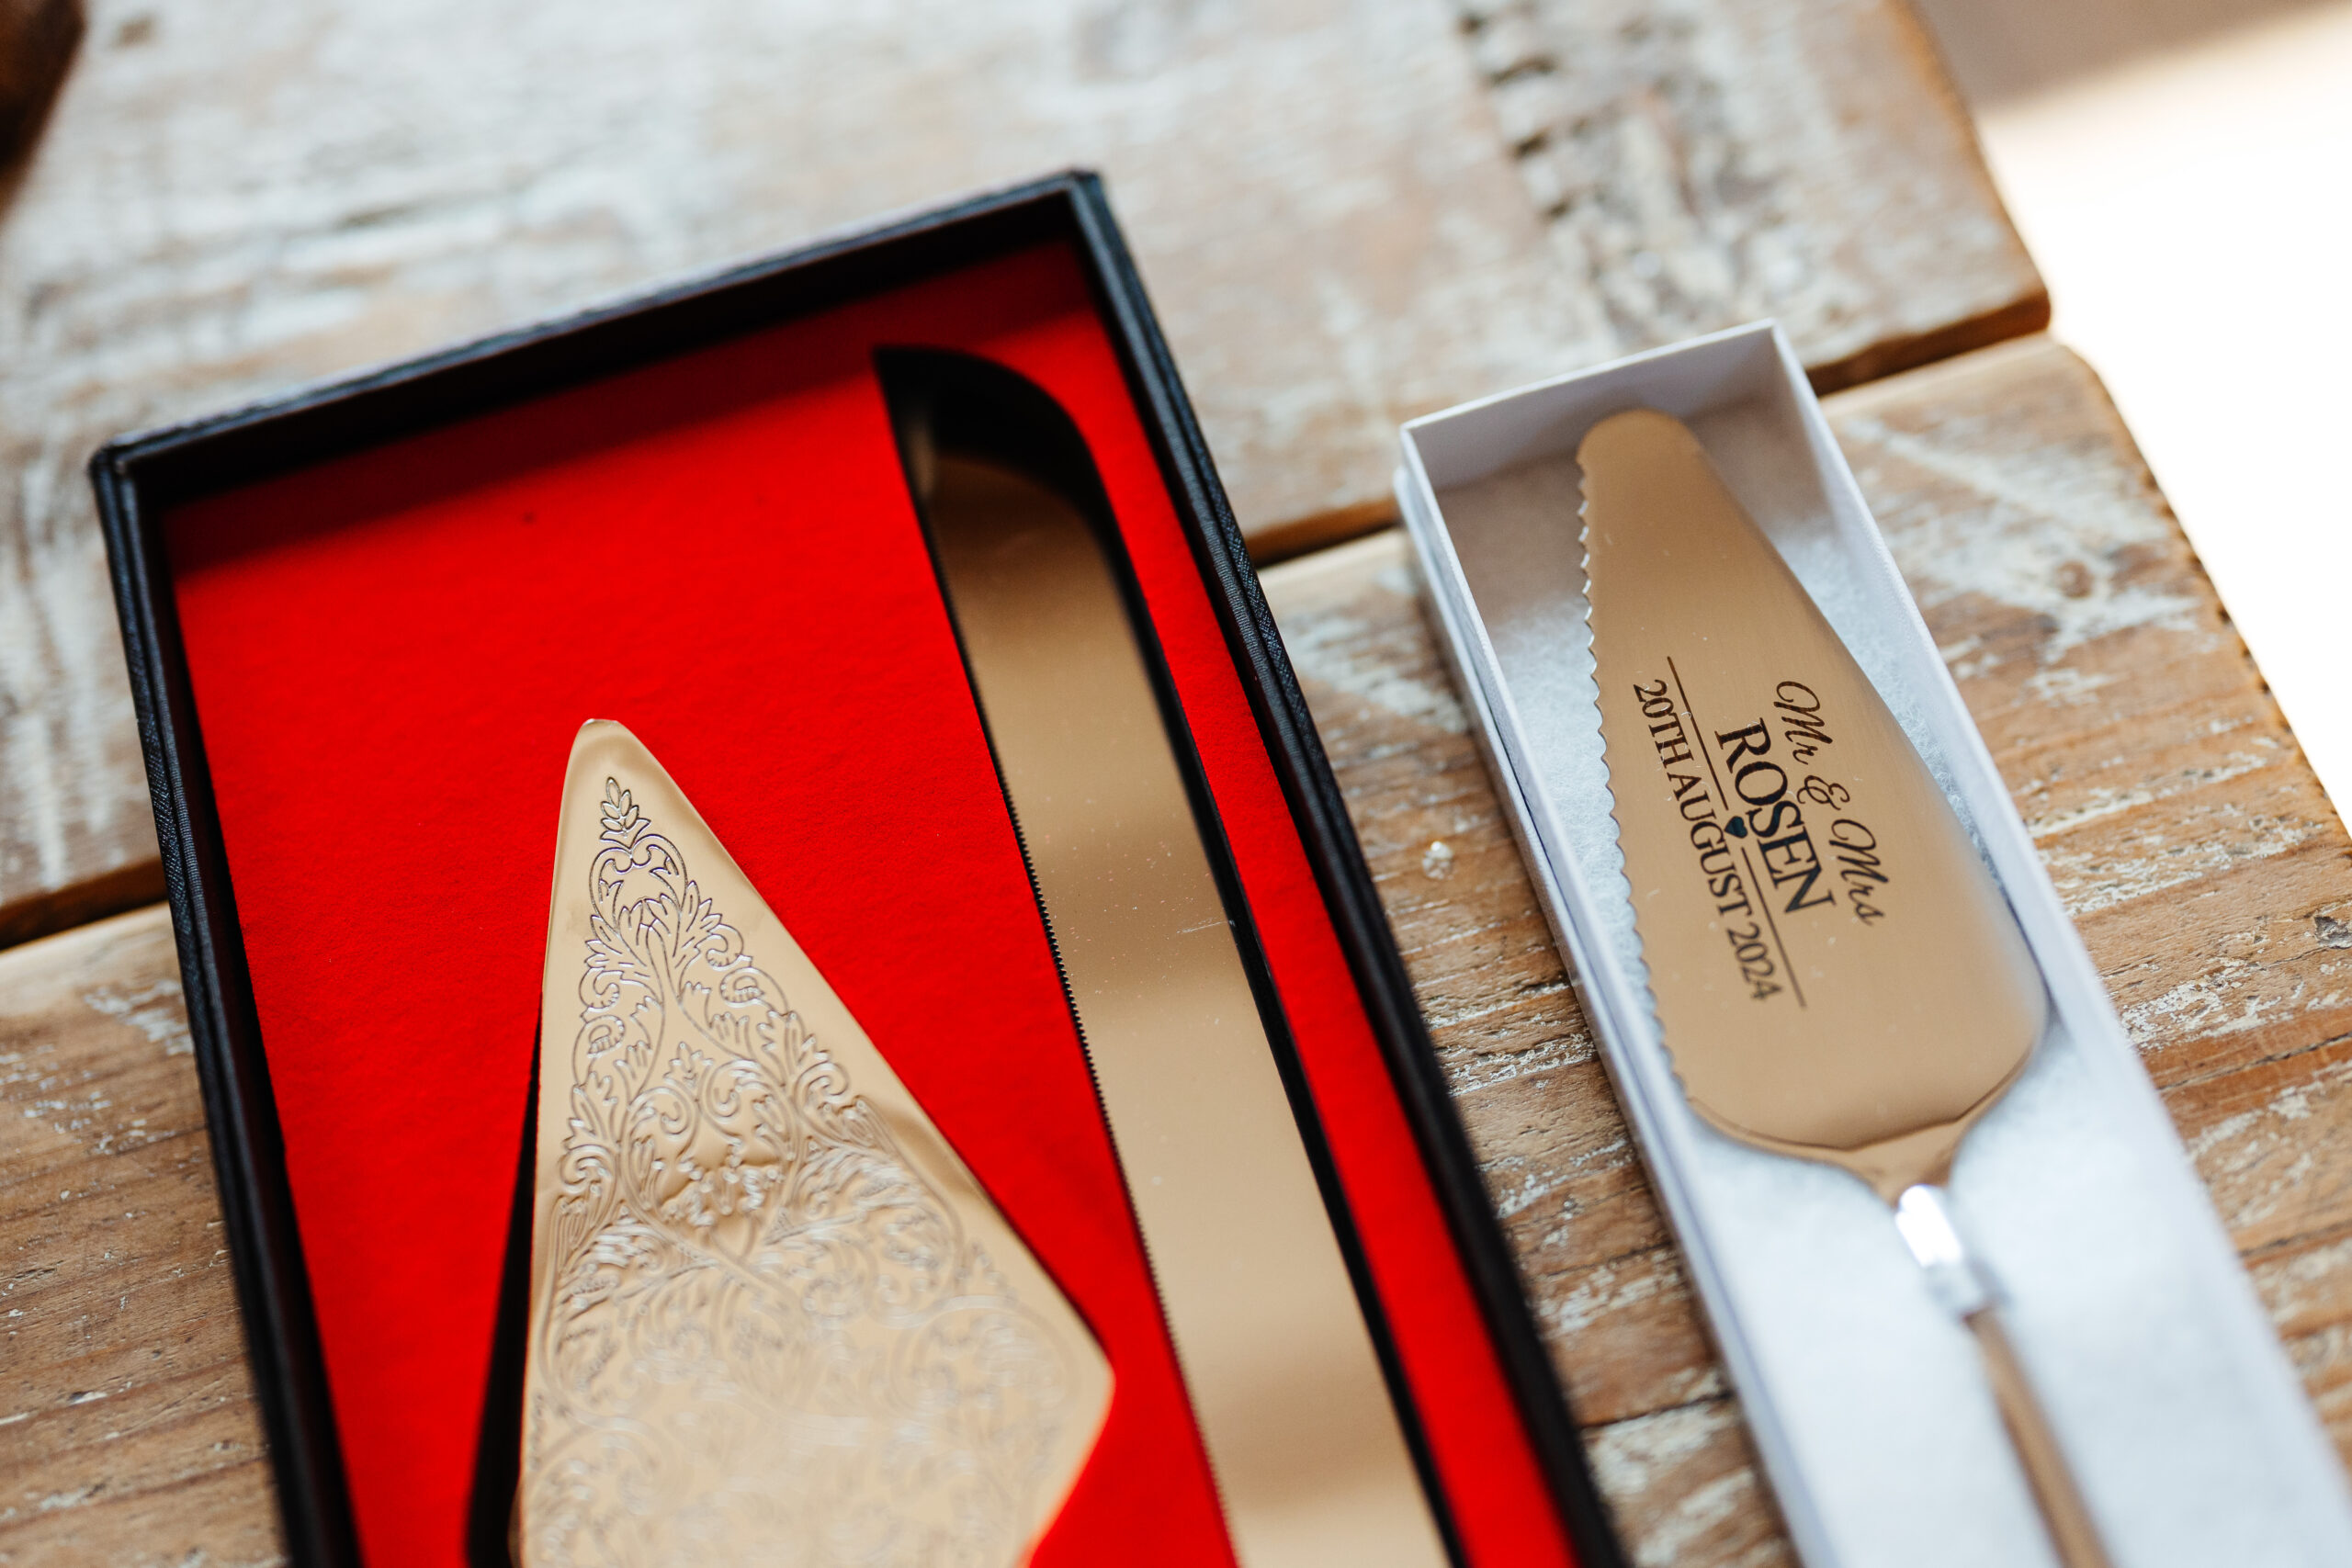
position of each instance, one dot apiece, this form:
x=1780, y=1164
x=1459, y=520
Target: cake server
x=771, y=1310
x=1836, y=975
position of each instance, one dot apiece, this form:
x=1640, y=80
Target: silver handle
x=1965, y=1289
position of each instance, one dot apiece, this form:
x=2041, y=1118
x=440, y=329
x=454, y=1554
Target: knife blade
x=1836, y=975
x=771, y=1309
x=1304, y=1436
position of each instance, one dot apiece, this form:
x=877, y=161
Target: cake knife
x=1304, y=1437
x=1836, y=975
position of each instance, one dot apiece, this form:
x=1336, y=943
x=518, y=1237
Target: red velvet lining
x=390, y=653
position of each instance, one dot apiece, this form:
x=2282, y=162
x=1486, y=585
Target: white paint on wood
x=238, y=195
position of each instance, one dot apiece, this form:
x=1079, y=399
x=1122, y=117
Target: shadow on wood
x=36, y=42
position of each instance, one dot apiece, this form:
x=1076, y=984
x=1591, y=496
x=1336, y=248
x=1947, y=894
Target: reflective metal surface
x=1835, y=974
x=772, y=1316
x=1310, y=1459
x=1835, y=971
x=1965, y=1289
x=1960, y=1285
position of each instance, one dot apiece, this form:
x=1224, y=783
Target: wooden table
x=1349, y=211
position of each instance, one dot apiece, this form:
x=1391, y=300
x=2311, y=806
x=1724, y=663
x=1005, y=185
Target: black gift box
x=360, y=618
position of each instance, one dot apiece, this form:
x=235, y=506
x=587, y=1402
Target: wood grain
x=2207, y=873
x=1702, y=163
x=242, y=194
x=2004, y=50
x=128, y=1433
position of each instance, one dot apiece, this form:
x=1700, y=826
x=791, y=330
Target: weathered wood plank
x=1702, y=163
x=2206, y=870
x=2184, y=832
x=233, y=197
x=2004, y=50
x=238, y=195
x=128, y=1433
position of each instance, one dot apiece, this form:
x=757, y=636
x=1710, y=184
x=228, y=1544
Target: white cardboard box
x=2188, y=1430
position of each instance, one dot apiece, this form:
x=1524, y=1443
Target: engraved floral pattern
x=761, y=1335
